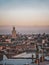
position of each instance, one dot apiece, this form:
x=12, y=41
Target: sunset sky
x=24, y=12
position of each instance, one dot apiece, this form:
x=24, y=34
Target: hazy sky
x=24, y=12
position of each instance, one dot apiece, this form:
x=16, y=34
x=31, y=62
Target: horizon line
x=24, y=26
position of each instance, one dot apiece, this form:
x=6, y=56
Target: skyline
x=24, y=12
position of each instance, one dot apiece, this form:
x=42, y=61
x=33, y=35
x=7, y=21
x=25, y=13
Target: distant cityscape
x=24, y=32
x=15, y=44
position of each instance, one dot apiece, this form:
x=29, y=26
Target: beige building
x=13, y=33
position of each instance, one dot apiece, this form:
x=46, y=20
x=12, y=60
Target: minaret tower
x=13, y=33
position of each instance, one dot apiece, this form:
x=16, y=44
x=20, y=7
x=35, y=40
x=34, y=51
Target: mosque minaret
x=13, y=33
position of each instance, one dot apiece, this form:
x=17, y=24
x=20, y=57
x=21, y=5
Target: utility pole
x=37, y=54
x=43, y=50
